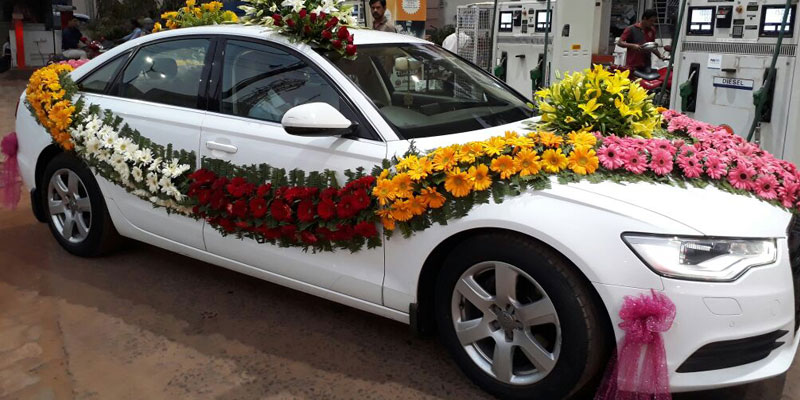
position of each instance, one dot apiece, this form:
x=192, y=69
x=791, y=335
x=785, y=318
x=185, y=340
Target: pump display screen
x=701, y=21
x=543, y=20
x=771, y=19
x=506, y=21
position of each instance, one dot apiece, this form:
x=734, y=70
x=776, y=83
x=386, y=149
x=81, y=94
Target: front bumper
x=759, y=303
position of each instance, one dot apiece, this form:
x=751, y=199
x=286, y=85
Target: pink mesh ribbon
x=10, y=183
x=639, y=371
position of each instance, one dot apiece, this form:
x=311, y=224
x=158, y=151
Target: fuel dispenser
x=722, y=61
x=536, y=39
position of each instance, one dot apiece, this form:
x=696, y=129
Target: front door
x=259, y=83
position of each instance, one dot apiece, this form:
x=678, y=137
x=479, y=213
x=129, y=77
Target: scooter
x=650, y=79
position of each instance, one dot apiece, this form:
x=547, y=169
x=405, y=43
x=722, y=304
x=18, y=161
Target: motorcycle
x=651, y=79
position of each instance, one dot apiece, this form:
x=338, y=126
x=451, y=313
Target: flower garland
x=409, y=193
x=598, y=100
x=206, y=14
x=322, y=23
x=49, y=101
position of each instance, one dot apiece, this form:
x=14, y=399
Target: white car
x=524, y=294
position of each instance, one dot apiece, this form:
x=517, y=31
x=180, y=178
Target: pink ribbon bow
x=10, y=183
x=633, y=376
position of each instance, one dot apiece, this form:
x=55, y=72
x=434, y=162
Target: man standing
x=635, y=36
x=379, y=21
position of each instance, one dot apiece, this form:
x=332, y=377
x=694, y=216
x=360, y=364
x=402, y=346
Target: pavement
x=145, y=323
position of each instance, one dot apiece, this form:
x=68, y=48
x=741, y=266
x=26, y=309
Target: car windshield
x=423, y=90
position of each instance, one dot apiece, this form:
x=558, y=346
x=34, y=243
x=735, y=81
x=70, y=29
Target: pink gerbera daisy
x=635, y=162
x=715, y=167
x=740, y=177
x=690, y=165
x=766, y=187
x=788, y=193
x=661, y=162
x=662, y=144
x=610, y=156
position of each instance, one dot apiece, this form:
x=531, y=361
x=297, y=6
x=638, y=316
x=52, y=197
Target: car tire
x=555, y=318
x=75, y=208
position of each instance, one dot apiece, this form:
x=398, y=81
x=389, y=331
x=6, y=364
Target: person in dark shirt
x=71, y=36
x=635, y=36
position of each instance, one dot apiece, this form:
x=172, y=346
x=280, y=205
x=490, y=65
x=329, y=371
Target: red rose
x=277, y=19
x=331, y=23
x=313, y=17
x=307, y=30
x=322, y=15
x=218, y=200
x=366, y=229
x=196, y=211
x=202, y=176
x=293, y=193
x=326, y=34
x=269, y=233
x=243, y=225
x=239, y=187
x=336, y=43
x=345, y=208
x=203, y=196
x=290, y=23
x=350, y=50
x=258, y=206
x=289, y=232
x=326, y=209
x=263, y=190
x=350, y=38
x=328, y=193
x=342, y=33
x=305, y=211
x=219, y=183
x=308, y=237
x=225, y=224
x=302, y=13
x=361, y=199
x=238, y=208
x=280, y=211
x=343, y=232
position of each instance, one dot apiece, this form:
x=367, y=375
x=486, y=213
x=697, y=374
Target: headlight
x=706, y=259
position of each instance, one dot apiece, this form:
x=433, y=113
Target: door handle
x=228, y=148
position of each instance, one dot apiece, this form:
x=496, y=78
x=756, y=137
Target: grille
x=732, y=353
x=474, y=34
x=794, y=259
x=755, y=49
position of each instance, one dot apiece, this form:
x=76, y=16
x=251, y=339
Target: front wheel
x=519, y=320
x=76, y=210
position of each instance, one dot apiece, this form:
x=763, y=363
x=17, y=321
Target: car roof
x=361, y=36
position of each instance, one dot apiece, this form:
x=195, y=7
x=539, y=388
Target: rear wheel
x=75, y=208
x=519, y=320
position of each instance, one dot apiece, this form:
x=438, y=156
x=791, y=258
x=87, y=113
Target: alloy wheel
x=69, y=205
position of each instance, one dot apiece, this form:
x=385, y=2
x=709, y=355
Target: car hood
x=708, y=210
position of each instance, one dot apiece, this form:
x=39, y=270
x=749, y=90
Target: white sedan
x=524, y=294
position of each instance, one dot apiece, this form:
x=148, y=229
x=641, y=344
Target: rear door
x=157, y=91
x=257, y=83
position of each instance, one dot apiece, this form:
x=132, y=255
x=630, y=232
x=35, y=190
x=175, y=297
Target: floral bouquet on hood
x=322, y=23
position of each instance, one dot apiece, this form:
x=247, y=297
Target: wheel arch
x=45, y=156
x=423, y=319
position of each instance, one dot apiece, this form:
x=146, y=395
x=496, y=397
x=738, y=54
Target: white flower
x=166, y=184
x=174, y=169
x=116, y=159
x=273, y=8
x=123, y=171
x=109, y=140
x=103, y=155
x=140, y=193
x=152, y=182
x=156, y=165
x=144, y=156
x=137, y=174
x=92, y=145
x=125, y=147
x=296, y=5
x=329, y=6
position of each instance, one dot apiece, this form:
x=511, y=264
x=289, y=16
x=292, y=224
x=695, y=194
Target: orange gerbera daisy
x=383, y=191
x=527, y=162
x=432, y=198
x=444, y=158
x=550, y=139
x=583, y=160
x=505, y=166
x=403, y=186
x=457, y=183
x=480, y=177
x=554, y=160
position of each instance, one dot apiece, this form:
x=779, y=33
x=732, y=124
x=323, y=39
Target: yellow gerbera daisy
x=583, y=160
x=480, y=177
x=386, y=218
x=406, y=163
x=494, y=146
x=403, y=186
x=423, y=167
x=554, y=160
x=444, y=158
x=581, y=139
x=469, y=152
x=527, y=162
x=383, y=191
x=505, y=166
x=457, y=183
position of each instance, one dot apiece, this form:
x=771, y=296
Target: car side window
x=97, y=80
x=263, y=82
x=166, y=72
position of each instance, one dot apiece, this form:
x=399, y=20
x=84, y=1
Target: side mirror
x=316, y=119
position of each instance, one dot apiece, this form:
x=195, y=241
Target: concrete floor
x=148, y=324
